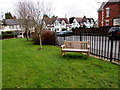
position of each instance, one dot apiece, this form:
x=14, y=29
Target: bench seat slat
x=75, y=50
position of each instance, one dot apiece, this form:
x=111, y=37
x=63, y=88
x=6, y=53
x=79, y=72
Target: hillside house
x=108, y=13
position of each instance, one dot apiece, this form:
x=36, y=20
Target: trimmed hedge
x=7, y=36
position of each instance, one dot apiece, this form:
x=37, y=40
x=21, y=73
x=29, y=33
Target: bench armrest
x=62, y=46
x=88, y=46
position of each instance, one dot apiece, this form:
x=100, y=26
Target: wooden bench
x=75, y=46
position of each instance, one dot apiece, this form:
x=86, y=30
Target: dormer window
x=107, y=12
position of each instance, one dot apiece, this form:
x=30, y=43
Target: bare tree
x=24, y=14
x=32, y=15
x=38, y=13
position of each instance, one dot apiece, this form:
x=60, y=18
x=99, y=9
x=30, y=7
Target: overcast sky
x=70, y=8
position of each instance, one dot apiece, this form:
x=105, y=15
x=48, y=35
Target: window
x=116, y=21
x=56, y=23
x=107, y=12
x=106, y=22
x=63, y=23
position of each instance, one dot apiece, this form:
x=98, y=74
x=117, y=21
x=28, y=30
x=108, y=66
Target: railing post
x=64, y=37
x=80, y=36
x=55, y=37
x=111, y=51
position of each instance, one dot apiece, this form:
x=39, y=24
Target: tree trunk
x=40, y=42
x=27, y=35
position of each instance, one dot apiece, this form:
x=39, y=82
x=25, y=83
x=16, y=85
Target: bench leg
x=62, y=53
x=88, y=54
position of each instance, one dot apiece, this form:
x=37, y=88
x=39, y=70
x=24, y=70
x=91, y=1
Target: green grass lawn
x=0, y=64
x=23, y=66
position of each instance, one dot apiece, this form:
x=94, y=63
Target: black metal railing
x=100, y=44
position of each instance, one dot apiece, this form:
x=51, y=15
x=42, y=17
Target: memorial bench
x=75, y=46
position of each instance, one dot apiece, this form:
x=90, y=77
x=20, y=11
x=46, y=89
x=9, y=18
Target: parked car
x=64, y=33
x=116, y=33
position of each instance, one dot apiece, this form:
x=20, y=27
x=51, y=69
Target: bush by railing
x=48, y=38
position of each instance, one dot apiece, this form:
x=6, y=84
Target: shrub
x=7, y=32
x=35, y=38
x=48, y=38
x=7, y=36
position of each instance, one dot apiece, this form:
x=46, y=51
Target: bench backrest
x=76, y=44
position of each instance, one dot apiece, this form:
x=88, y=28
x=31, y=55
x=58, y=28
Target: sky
x=61, y=8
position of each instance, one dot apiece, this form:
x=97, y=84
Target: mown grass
x=23, y=66
x=0, y=64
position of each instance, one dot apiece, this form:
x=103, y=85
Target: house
x=108, y=13
x=83, y=22
x=57, y=24
x=76, y=22
x=1, y=25
x=11, y=24
x=49, y=22
x=61, y=24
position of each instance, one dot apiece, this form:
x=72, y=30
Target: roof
x=109, y=2
x=114, y=1
x=102, y=6
x=117, y=17
x=79, y=19
x=11, y=22
x=65, y=19
x=50, y=20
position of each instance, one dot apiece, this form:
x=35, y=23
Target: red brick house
x=108, y=12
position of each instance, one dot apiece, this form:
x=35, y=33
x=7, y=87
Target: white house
x=61, y=24
x=50, y=23
x=83, y=22
x=57, y=24
x=76, y=22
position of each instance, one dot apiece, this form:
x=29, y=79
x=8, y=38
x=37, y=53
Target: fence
x=100, y=45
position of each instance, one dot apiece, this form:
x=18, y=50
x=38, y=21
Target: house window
x=63, y=23
x=107, y=12
x=116, y=22
x=107, y=23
